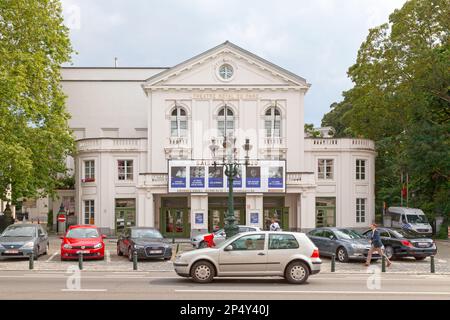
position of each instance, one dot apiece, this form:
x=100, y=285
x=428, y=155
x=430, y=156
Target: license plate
x=83, y=251
x=423, y=244
x=12, y=251
x=155, y=251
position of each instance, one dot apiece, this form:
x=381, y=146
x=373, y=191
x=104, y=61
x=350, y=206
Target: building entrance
x=175, y=217
x=218, y=207
x=274, y=209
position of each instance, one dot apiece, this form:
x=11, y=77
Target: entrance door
x=216, y=217
x=325, y=212
x=281, y=215
x=125, y=214
x=175, y=222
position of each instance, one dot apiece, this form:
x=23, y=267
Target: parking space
x=112, y=262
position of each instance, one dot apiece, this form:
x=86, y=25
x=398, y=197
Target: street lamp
x=231, y=164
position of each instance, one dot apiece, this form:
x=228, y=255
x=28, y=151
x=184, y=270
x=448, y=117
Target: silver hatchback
x=291, y=255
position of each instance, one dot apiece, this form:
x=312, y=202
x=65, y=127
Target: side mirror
x=61, y=237
x=103, y=236
x=229, y=248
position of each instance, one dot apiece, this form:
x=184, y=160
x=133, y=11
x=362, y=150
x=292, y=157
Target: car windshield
x=18, y=231
x=405, y=234
x=80, y=233
x=219, y=231
x=146, y=233
x=347, y=234
x=417, y=218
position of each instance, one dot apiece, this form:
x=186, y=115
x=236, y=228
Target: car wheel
x=167, y=258
x=119, y=253
x=203, y=244
x=389, y=252
x=342, y=254
x=130, y=254
x=419, y=258
x=297, y=272
x=202, y=272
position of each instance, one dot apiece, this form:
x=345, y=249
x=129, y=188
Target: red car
x=85, y=239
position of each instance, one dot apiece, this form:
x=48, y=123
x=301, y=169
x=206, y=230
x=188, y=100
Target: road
x=167, y=285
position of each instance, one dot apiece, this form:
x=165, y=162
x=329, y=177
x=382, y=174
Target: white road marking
x=314, y=292
x=53, y=255
x=84, y=290
x=108, y=256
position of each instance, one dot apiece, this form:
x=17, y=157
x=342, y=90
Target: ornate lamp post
x=231, y=165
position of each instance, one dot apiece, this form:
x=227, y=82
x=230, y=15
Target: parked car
x=147, y=242
x=401, y=243
x=346, y=244
x=410, y=219
x=262, y=253
x=84, y=239
x=20, y=240
x=217, y=236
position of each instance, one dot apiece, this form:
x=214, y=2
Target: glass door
x=216, y=217
x=281, y=215
x=125, y=214
x=175, y=222
x=325, y=212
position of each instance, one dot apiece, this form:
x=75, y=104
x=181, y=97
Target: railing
x=274, y=141
x=106, y=144
x=343, y=143
x=175, y=141
x=300, y=178
x=154, y=179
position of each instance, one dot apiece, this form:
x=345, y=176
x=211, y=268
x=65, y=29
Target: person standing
x=274, y=226
x=376, y=245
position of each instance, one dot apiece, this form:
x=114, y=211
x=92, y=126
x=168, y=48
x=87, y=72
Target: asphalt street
x=167, y=285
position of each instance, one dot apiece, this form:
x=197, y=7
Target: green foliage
x=309, y=129
x=336, y=119
x=443, y=231
x=401, y=100
x=34, y=136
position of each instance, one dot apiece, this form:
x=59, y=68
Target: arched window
x=178, y=122
x=225, y=121
x=272, y=122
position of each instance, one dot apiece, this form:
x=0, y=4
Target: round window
x=226, y=71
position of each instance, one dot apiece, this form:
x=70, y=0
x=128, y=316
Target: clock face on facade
x=226, y=71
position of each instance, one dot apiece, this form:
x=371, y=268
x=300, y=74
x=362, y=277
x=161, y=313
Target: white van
x=410, y=219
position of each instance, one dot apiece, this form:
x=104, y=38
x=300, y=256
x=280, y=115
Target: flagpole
x=407, y=189
x=401, y=191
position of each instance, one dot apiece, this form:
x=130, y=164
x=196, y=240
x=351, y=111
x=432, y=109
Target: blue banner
x=178, y=182
x=215, y=177
x=253, y=179
x=178, y=177
x=197, y=177
x=275, y=182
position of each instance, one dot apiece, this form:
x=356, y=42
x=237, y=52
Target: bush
x=443, y=231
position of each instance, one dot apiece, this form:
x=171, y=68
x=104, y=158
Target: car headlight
x=98, y=246
x=28, y=245
x=67, y=246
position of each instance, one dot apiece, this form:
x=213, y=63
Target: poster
x=237, y=180
x=254, y=217
x=253, y=179
x=275, y=177
x=178, y=177
x=215, y=177
x=197, y=177
x=199, y=218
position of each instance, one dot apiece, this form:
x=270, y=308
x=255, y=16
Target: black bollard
x=135, y=260
x=80, y=261
x=31, y=261
x=432, y=266
x=178, y=247
x=333, y=262
x=383, y=263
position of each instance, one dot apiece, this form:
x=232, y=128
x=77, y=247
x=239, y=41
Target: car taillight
x=406, y=243
x=315, y=253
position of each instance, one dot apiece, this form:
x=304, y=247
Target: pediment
x=247, y=70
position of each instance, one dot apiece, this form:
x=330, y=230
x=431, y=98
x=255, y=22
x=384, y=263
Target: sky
x=315, y=39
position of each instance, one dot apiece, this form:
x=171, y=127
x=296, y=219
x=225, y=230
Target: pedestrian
x=274, y=226
x=376, y=245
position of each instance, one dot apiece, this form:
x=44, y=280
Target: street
x=167, y=285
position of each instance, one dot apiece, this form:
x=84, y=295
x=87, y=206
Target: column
x=199, y=214
x=145, y=214
x=308, y=210
x=254, y=210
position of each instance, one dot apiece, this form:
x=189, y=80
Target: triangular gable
x=284, y=77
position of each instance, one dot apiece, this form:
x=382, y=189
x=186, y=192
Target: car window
x=416, y=218
x=146, y=233
x=385, y=234
x=327, y=234
x=347, y=234
x=82, y=233
x=19, y=231
x=282, y=241
x=243, y=229
x=249, y=242
x=316, y=233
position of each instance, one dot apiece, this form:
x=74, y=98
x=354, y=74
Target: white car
x=291, y=255
x=219, y=236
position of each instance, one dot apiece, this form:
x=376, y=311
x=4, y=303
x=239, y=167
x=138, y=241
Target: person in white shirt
x=274, y=226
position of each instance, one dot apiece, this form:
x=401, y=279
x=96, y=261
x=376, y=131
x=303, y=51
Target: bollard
x=135, y=260
x=31, y=261
x=383, y=263
x=173, y=240
x=333, y=262
x=80, y=261
x=433, y=270
x=178, y=247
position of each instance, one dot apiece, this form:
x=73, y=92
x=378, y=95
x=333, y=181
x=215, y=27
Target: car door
x=40, y=242
x=248, y=256
x=280, y=248
x=327, y=242
x=44, y=239
x=316, y=238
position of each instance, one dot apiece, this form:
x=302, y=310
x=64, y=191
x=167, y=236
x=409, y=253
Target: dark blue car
x=346, y=244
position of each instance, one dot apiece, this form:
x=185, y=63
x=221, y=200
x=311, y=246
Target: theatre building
x=150, y=148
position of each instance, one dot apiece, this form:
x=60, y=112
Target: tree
x=310, y=131
x=34, y=135
x=336, y=119
x=401, y=100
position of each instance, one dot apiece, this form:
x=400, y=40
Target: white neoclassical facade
x=144, y=156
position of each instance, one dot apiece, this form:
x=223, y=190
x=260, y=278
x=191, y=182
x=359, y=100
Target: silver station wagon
x=291, y=255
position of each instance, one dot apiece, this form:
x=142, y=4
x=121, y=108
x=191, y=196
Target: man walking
x=376, y=245
x=274, y=226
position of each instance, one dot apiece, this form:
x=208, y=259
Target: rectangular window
x=125, y=168
x=89, y=212
x=360, y=169
x=325, y=169
x=89, y=171
x=360, y=210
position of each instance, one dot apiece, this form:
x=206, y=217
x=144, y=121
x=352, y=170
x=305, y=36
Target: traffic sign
x=62, y=218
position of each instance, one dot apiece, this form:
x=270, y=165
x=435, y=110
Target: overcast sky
x=316, y=39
